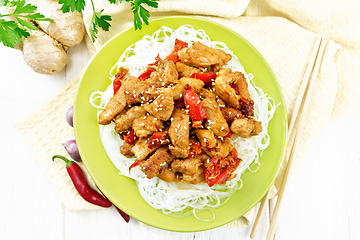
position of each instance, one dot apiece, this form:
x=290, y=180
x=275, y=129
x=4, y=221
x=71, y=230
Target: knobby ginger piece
x=43, y=54
x=67, y=28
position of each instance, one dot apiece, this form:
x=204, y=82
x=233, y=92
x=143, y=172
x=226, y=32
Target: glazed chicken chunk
x=161, y=108
x=186, y=70
x=177, y=91
x=216, y=121
x=165, y=75
x=246, y=127
x=186, y=166
x=142, y=148
x=159, y=160
x=124, y=123
x=179, y=133
x=146, y=125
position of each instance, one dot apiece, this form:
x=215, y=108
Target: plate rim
x=285, y=121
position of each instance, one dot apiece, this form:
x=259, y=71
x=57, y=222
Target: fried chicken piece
x=194, y=178
x=230, y=114
x=199, y=58
x=142, y=148
x=165, y=75
x=203, y=158
x=204, y=93
x=169, y=176
x=125, y=149
x=186, y=70
x=157, y=162
x=241, y=86
x=206, y=138
x=177, y=91
x=222, y=149
x=223, y=87
x=186, y=166
x=246, y=127
x=115, y=106
x=126, y=120
x=161, y=108
x=137, y=91
x=179, y=133
x=146, y=125
x=225, y=57
x=216, y=121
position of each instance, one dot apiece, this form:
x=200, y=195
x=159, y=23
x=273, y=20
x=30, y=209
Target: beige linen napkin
x=285, y=45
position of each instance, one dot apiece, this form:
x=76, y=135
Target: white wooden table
x=322, y=201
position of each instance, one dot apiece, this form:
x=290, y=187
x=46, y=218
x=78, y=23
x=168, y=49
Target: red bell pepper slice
x=158, y=139
x=118, y=77
x=218, y=171
x=129, y=137
x=229, y=135
x=157, y=60
x=116, y=85
x=146, y=74
x=205, y=77
x=212, y=172
x=135, y=163
x=195, y=149
x=177, y=47
x=193, y=104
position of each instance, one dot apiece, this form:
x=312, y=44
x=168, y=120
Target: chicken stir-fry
x=178, y=116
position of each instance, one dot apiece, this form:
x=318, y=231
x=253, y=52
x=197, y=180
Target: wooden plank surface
x=322, y=201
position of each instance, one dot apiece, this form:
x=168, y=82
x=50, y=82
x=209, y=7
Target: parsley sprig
x=11, y=32
x=100, y=20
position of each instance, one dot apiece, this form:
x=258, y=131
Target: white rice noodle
x=181, y=199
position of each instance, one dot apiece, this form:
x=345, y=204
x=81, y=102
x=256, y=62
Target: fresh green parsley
x=99, y=20
x=11, y=32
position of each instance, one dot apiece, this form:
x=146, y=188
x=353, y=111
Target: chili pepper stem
x=67, y=161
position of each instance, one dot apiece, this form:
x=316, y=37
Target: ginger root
x=43, y=54
x=44, y=51
x=67, y=28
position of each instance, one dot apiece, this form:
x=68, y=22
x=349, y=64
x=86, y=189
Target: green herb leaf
x=140, y=13
x=26, y=24
x=72, y=5
x=11, y=33
x=99, y=20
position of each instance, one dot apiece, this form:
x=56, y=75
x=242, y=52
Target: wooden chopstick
x=303, y=117
x=301, y=95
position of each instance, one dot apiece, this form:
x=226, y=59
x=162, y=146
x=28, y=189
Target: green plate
x=123, y=191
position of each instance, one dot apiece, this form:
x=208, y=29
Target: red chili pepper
x=124, y=215
x=196, y=110
x=177, y=47
x=146, y=74
x=205, y=77
x=129, y=137
x=78, y=178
